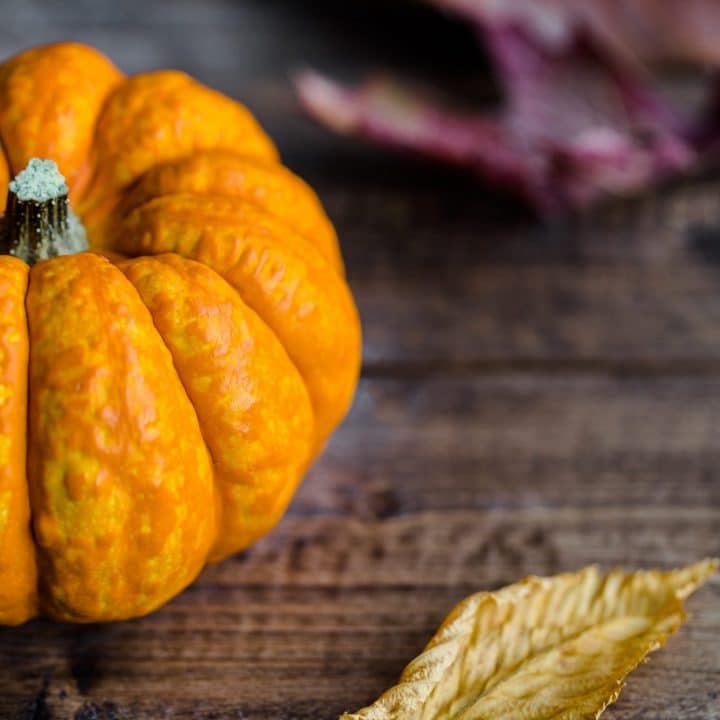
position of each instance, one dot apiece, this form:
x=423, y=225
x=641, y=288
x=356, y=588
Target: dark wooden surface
x=534, y=398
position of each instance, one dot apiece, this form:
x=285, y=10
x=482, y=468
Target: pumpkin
x=177, y=338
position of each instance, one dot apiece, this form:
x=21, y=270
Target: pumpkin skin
x=162, y=394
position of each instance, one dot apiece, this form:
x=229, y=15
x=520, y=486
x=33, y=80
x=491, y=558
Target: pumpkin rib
x=159, y=116
x=278, y=273
x=254, y=412
x=18, y=570
x=120, y=481
x=269, y=185
x=36, y=99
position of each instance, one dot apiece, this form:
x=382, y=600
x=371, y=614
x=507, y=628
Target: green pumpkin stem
x=38, y=222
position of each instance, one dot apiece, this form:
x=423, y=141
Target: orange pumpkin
x=162, y=392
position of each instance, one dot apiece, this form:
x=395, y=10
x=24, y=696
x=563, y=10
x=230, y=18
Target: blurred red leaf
x=581, y=118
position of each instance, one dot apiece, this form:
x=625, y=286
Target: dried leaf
x=570, y=133
x=581, y=118
x=543, y=648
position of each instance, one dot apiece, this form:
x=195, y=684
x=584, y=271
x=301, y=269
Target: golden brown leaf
x=542, y=648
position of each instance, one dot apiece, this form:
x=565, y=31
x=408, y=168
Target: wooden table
x=534, y=398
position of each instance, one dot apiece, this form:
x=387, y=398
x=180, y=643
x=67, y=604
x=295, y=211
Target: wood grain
x=521, y=441
x=536, y=397
x=636, y=290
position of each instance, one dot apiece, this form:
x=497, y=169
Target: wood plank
x=310, y=635
x=637, y=290
x=606, y=317
x=518, y=441
x=389, y=532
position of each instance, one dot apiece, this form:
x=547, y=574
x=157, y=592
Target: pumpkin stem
x=38, y=222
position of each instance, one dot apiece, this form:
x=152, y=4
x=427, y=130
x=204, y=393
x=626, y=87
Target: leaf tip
x=688, y=579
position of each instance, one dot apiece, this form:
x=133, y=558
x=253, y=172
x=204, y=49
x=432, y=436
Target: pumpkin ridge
x=268, y=185
x=212, y=234
x=92, y=166
x=120, y=483
x=248, y=508
x=86, y=76
x=289, y=346
x=161, y=97
x=18, y=568
x=226, y=210
x=123, y=264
